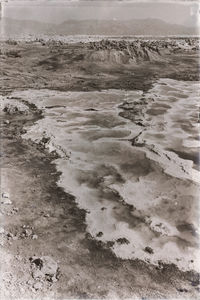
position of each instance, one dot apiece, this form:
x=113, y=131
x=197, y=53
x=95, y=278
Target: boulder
x=47, y=266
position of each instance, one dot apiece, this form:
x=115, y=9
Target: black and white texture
x=99, y=150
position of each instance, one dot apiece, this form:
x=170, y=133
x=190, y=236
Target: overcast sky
x=51, y=11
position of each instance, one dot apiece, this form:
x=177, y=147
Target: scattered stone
x=122, y=241
x=140, y=123
x=6, y=122
x=10, y=235
x=149, y=250
x=15, y=209
x=103, y=208
x=159, y=228
x=26, y=233
x=44, y=140
x=5, y=199
x=5, y=195
x=182, y=290
x=99, y=234
x=23, y=131
x=37, y=261
x=37, y=286
x=47, y=266
x=45, y=215
x=34, y=237
x=110, y=244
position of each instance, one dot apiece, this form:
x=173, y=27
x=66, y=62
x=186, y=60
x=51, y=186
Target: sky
x=51, y=11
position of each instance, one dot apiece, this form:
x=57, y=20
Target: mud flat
x=102, y=189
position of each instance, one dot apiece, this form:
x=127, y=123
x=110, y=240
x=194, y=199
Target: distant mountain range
x=93, y=27
x=12, y=27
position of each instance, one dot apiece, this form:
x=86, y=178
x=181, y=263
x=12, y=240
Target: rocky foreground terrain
x=45, y=249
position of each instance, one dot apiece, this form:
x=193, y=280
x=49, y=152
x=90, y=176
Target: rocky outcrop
x=133, y=52
x=122, y=52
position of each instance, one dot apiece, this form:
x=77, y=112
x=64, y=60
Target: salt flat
x=137, y=195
